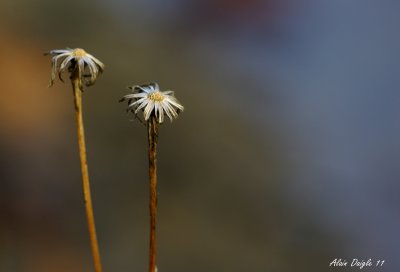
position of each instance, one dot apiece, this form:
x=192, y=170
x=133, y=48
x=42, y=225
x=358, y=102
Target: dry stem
x=76, y=85
x=152, y=137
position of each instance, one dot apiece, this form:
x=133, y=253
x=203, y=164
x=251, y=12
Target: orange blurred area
x=25, y=107
x=31, y=118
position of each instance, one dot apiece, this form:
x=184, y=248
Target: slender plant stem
x=152, y=127
x=76, y=85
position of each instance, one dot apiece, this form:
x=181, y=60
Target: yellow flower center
x=156, y=96
x=79, y=53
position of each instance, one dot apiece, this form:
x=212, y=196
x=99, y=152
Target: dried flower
x=75, y=59
x=151, y=100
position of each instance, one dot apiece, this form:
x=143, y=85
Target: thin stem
x=152, y=137
x=76, y=85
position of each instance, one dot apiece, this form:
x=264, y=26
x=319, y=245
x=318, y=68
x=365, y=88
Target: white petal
x=176, y=103
x=92, y=69
x=99, y=63
x=145, y=89
x=155, y=87
x=136, y=102
x=172, y=110
x=137, y=95
x=148, y=110
x=141, y=106
x=170, y=93
x=65, y=62
x=60, y=51
x=166, y=110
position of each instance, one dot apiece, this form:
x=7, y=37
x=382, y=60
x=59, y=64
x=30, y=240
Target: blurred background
x=286, y=157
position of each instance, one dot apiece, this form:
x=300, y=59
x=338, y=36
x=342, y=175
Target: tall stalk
x=76, y=86
x=152, y=129
x=155, y=105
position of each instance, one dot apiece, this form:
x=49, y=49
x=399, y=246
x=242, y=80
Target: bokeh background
x=286, y=157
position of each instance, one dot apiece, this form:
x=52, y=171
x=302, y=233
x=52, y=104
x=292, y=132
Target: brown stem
x=76, y=85
x=152, y=136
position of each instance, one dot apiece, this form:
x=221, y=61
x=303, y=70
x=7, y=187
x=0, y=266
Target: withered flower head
x=151, y=100
x=75, y=59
